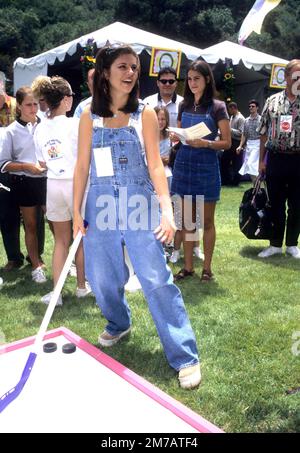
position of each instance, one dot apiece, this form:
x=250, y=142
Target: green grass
x=244, y=322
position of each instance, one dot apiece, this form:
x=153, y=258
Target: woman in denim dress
x=117, y=134
x=196, y=174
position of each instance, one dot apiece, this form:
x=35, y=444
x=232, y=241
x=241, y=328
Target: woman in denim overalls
x=121, y=209
x=196, y=169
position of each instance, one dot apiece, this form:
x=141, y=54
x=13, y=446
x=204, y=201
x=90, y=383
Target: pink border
x=183, y=412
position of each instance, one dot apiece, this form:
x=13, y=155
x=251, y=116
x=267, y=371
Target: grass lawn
x=244, y=322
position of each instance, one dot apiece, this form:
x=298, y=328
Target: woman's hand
x=197, y=143
x=166, y=230
x=173, y=137
x=78, y=225
x=34, y=169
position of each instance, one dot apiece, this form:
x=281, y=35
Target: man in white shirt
x=167, y=97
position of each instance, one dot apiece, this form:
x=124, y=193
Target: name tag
x=286, y=122
x=103, y=161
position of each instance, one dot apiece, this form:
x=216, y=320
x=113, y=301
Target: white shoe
x=38, y=275
x=269, y=251
x=190, y=377
x=83, y=292
x=198, y=253
x=133, y=284
x=46, y=299
x=73, y=270
x=294, y=251
x=175, y=256
x=105, y=339
x=1, y=281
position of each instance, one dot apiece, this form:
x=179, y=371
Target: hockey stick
x=13, y=393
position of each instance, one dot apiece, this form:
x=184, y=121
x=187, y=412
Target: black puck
x=68, y=348
x=49, y=347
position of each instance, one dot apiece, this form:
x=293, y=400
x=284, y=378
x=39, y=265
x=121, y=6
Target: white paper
x=195, y=132
x=103, y=161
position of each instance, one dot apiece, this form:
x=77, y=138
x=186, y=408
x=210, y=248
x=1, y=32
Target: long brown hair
x=209, y=93
x=101, y=89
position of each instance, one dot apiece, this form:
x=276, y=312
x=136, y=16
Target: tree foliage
x=29, y=27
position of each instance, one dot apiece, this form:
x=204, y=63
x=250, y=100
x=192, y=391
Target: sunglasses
x=165, y=81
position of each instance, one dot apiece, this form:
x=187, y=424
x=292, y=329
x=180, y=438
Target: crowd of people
x=117, y=165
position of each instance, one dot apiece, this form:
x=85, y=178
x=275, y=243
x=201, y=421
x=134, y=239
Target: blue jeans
x=106, y=270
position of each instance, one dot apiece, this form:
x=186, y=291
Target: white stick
x=2, y=186
x=57, y=291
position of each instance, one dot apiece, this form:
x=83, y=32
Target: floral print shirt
x=277, y=140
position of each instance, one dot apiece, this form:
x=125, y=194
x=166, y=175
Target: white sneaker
x=83, y=292
x=73, y=270
x=269, y=251
x=1, y=281
x=105, y=339
x=175, y=256
x=294, y=251
x=198, y=253
x=46, y=299
x=38, y=275
x=190, y=377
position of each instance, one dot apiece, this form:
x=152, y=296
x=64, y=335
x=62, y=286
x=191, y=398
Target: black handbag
x=254, y=213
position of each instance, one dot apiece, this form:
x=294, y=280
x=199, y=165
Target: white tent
x=26, y=69
x=251, y=67
x=252, y=70
x=251, y=58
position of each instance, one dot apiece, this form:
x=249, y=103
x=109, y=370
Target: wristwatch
x=209, y=144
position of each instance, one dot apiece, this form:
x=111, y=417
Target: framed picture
x=277, y=76
x=161, y=58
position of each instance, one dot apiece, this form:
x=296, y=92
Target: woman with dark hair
x=27, y=177
x=56, y=149
x=115, y=135
x=196, y=169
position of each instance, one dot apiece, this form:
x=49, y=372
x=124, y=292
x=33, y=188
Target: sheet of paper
x=197, y=131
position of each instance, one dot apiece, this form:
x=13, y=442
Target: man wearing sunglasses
x=166, y=97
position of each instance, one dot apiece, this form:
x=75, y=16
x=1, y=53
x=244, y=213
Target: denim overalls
x=196, y=170
x=105, y=267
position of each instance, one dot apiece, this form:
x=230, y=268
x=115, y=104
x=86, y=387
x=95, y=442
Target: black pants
x=231, y=162
x=283, y=183
x=10, y=223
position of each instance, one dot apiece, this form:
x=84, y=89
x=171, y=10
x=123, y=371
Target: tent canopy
x=251, y=67
x=54, y=61
x=114, y=33
x=251, y=58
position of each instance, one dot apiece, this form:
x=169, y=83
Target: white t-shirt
x=172, y=106
x=56, y=144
